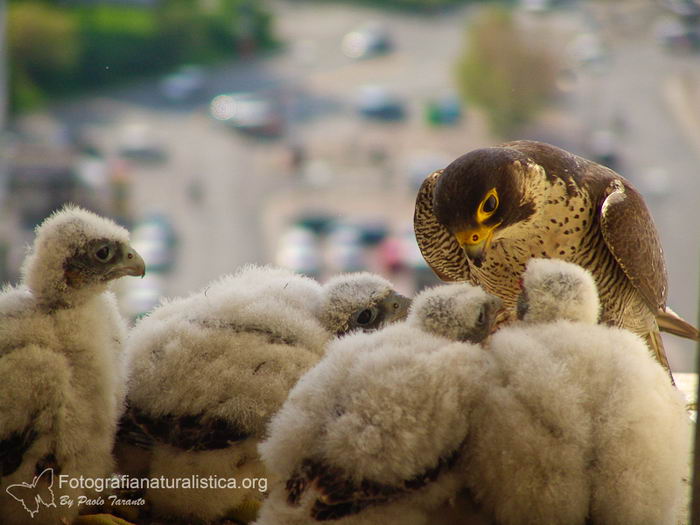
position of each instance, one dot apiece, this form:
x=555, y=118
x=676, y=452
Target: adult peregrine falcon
x=491, y=210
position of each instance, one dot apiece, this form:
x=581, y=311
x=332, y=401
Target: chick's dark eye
x=103, y=254
x=480, y=320
x=490, y=204
x=366, y=316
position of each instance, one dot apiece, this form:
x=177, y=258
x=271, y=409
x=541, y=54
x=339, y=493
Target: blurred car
x=587, y=49
x=154, y=238
x=684, y=8
x=377, y=102
x=412, y=259
x=344, y=249
x=372, y=231
x=299, y=250
x=536, y=6
x=369, y=40
x=443, y=111
x=253, y=113
x=317, y=222
x=140, y=296
x=675, y=34
x=391, y=255
x=184, y=83
x=136, y=143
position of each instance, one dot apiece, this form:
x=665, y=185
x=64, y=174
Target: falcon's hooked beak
x=131, y=264
x=475, y=241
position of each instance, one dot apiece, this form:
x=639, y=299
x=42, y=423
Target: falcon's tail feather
x=669, y=321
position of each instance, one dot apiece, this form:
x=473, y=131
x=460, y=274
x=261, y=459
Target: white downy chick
x=210, y=370
x=374, y=432
x=592, y=426
x=62, y=377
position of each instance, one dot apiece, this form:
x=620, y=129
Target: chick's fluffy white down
x=383, y=407
x=552, y=423
x=62, y=376
x=591, y=422
x=231, y=351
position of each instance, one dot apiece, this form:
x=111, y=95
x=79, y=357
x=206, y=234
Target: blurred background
x=296, y=132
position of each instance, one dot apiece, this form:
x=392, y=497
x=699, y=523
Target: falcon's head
x=481, y=194
x=77, y=253
x=361, y=301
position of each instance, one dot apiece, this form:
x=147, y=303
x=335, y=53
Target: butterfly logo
x=33, y=495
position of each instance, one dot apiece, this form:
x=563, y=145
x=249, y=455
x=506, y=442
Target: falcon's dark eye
x=366, y=316
x=490, y=204
x=104, y=254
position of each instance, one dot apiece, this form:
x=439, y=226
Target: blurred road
x=216, y=183
x=230, y=196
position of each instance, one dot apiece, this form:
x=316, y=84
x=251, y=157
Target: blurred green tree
x=506, y=70
x=58, y=47
x=44, y=50
x=117, y=42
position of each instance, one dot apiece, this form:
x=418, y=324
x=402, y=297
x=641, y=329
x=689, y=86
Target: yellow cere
x=476, y=236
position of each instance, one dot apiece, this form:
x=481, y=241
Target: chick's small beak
x=132, y=263
x=498, y=310
x=397, y=306
x=496, y=304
